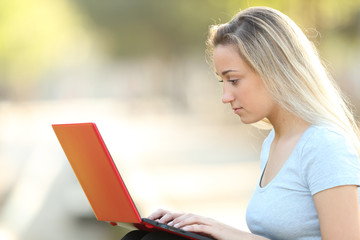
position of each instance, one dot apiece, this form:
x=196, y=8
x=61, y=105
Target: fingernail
x=185, y=228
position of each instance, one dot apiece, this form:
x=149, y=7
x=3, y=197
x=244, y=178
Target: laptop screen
x=96, y=172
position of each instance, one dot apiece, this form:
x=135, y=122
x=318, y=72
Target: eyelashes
x=232, y=81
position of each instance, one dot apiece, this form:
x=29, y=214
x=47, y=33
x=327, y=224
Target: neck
x=286, y=124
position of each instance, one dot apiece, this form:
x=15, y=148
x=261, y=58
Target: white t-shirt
x=284, y=209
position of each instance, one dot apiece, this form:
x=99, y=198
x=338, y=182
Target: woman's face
x=243, y=88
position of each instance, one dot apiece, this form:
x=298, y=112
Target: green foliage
x=150, y=27
x=36, y=34
x=33, y=36
x=140, y=27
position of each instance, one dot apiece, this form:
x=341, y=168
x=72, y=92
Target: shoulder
x=328, y=159
x=328, y=139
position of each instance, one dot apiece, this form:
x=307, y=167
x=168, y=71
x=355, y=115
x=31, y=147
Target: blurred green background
x=137, y=69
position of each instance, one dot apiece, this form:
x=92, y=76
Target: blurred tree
x=147, y=27
x=34, y=35
x=151, y=27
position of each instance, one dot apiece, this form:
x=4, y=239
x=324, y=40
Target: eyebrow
x=226, y=72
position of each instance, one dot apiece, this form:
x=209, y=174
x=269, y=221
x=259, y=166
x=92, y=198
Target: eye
x=233, y=81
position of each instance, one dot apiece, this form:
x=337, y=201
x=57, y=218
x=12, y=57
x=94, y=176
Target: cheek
x=267, y=104
x=247, y=94
x=258, y=98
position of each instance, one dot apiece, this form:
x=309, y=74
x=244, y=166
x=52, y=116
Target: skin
x=243, y=89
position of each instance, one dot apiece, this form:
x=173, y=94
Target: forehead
x=227, y=57
x=222, y=50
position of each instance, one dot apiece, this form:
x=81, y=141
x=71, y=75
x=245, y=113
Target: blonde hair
x=289, y=65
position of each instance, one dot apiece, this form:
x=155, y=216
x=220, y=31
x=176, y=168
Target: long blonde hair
x=289, y=65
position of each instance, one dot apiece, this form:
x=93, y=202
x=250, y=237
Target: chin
x=249, y=121
x=246, y=121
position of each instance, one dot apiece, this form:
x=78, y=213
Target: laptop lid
x=96, y=172
x=101, y=181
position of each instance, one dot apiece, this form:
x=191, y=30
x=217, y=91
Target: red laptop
x=101, y=181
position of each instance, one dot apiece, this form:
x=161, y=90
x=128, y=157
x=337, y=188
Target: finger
x=170, y=217
x=167, y=218
x=186, y=217
x=196, y=228
x=205, y=230
x=158, y=214
x=194, y=219
x=180, y=217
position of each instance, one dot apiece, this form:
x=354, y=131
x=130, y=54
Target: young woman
x=310, y=160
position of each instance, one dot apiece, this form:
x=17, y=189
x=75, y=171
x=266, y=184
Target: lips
x=237, y=109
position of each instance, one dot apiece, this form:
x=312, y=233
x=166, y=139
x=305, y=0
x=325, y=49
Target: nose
x=227, y=97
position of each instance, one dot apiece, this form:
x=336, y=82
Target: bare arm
x=339, y=213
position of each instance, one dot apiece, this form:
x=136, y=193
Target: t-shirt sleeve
x=329, y=160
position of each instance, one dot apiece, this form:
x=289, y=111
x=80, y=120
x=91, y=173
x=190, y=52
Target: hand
x=164, y=216
x=200, y=225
